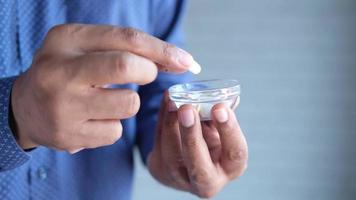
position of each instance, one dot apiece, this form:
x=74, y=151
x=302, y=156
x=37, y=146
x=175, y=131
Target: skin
x=200, y=159
x=61, y=102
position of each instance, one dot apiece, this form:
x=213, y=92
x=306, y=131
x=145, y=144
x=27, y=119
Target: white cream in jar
x=203, y=95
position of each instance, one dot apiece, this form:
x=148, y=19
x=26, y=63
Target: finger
x=164, y=102
x=234, y=146
x=162, y=111
x=111, y=103
x=114, y=67
x=212, y=139
x=97, y=133
x=195, y=151
x=154, y=159
x=104, y=38
x=171, y=149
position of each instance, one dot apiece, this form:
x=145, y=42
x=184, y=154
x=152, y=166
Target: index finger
x=103, y=37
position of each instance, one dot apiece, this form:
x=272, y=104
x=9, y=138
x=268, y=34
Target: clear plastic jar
x=203, y=95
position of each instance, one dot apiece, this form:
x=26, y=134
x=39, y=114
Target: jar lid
x=204, y=91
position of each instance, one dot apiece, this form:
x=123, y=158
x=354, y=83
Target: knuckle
x=201, y=178
x=63, y=33
x=148, y=74
x=40, y=72
x=72, y=29
x=42, y=59
x=190, y=142
x=228, y=128
x=63, y=29
x=122, y=64
x=236, y=155
x=49, y=69
x=132, y=35
x=56, y=29
x=236, y=162
x=203, y=184
x=167, y=51
x=59, y=28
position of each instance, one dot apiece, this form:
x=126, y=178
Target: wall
x=296, y=61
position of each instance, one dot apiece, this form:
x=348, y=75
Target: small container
x=203, y=95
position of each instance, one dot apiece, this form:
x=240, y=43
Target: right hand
x=60, y=101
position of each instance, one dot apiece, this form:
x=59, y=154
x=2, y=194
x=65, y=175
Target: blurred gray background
x=296, y=61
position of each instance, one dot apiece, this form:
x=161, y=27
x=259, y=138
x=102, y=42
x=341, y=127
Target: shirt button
x=42, y=173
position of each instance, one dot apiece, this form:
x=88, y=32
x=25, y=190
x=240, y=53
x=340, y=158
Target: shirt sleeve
x=167, y=26
x=11, y=154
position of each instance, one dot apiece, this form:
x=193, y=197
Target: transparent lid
x=204, y=91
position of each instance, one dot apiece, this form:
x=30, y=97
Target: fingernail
x=195, y=68
x=171, y=106
x=221, y=115
x=185, y=59
x=186, y=118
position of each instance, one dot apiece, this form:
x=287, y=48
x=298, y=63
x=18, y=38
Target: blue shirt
x=102, y=173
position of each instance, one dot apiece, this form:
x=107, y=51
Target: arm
x=168, y=16
x=11, y=154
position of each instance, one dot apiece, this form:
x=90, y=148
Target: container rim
x=220, y=88
x=232, y=83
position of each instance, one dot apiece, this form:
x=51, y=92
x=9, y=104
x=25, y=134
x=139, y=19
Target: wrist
x=14, y=117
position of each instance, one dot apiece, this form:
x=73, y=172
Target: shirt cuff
x=11, y=154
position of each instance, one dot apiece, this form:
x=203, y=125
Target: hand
x=60, y=101
x=197, y=157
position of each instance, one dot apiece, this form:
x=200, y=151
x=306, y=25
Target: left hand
x=194, y=156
